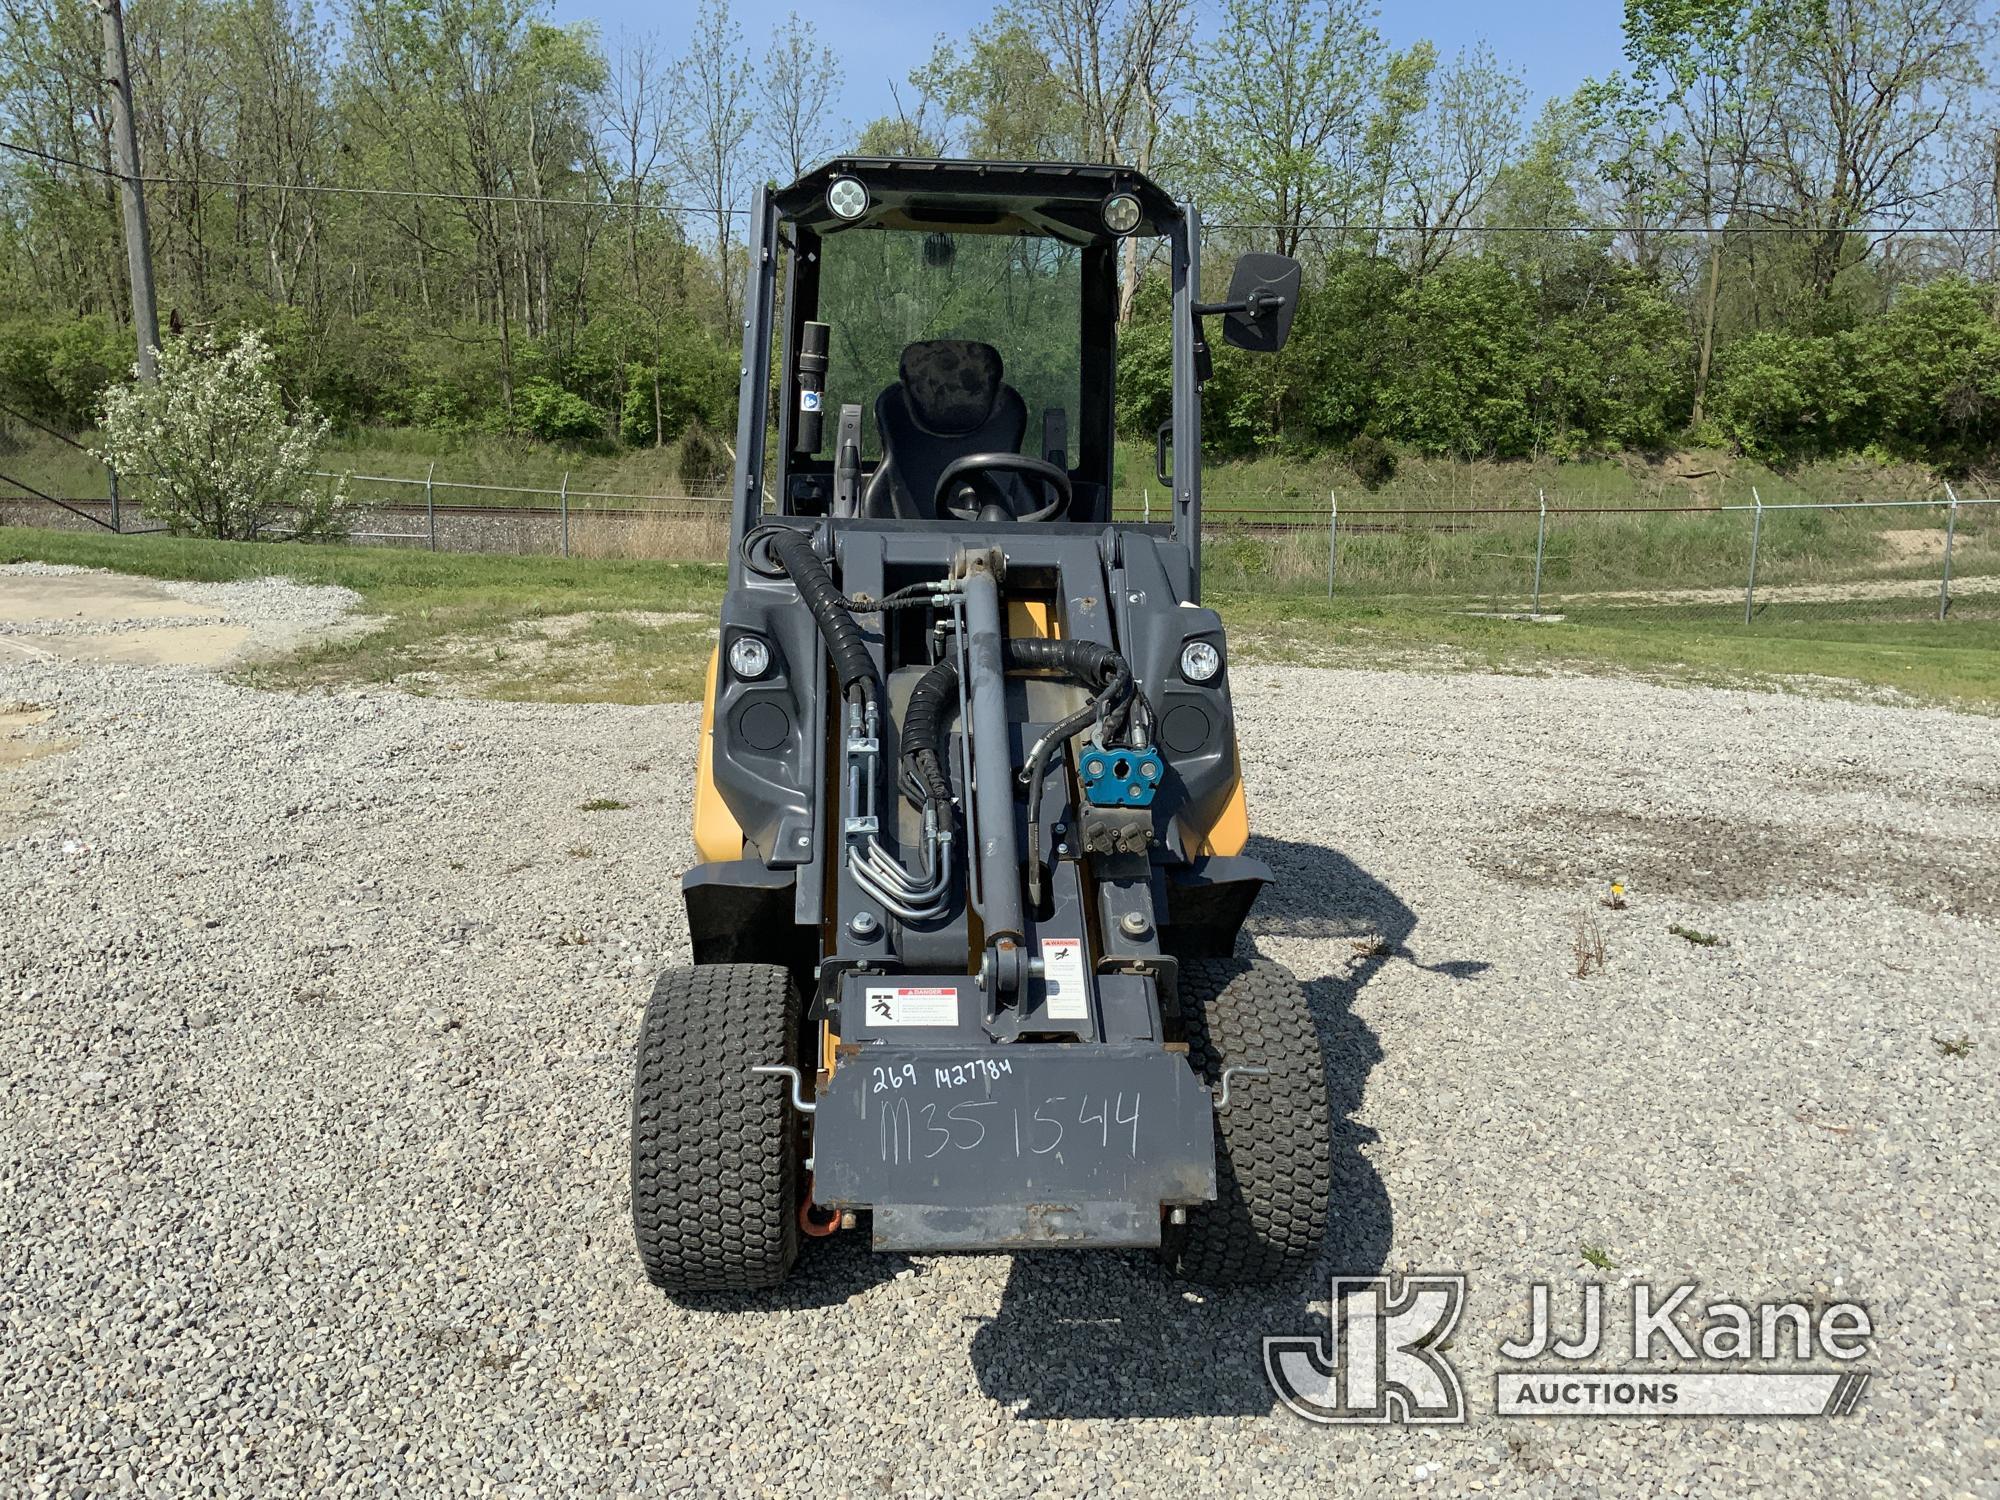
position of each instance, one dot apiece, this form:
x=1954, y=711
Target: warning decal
x=912, y=1005
x=1068, y=997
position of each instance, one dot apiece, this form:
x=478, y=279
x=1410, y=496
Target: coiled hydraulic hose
x=1096, y=667
x=931, y=702
x=1099, y=668
x=851, y=662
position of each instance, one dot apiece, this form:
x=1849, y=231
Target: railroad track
x=1214, y=518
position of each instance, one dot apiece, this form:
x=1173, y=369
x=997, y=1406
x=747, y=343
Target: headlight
x=847, y=197
x=1121, y=213
x=1200, y=661
x=749, y=656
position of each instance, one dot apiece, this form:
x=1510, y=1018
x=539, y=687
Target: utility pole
x=125, y=144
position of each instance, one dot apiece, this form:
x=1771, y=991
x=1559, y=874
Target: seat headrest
x=951, y=384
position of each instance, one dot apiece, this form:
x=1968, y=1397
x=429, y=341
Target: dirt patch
x=1846, y=780
x=157, y=646
x=1689, y=478
x=626, y=655
x=91, y=598
x=16, y=718
x=84, y=615
x=1873, y=589
x=566, y=627
x=1721, y=859
x=17, y=748
x=1911, y=544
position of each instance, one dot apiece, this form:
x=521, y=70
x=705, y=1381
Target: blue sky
x=1555, y=44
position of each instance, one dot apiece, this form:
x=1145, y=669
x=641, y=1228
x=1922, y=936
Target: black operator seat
x=950, y=402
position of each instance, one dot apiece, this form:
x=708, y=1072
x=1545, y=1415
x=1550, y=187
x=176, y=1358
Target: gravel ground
x=315, y=1027
x=276, y=610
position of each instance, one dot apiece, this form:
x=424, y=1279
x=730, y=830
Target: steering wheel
x=965, y=480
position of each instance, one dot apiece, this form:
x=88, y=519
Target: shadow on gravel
x=1071, y=1342
x=829, y=1272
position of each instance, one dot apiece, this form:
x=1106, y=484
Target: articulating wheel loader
x=968, y=808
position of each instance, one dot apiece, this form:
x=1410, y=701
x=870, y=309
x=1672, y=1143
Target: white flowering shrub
x=209, y=449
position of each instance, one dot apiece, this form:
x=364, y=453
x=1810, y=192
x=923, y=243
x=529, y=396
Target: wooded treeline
x=1720, y=244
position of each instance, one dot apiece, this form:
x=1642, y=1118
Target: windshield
x=880, y=290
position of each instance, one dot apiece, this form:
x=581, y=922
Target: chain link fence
x=564, y=521
x=1541, y=555
x=1736, y=563
x=50, y=476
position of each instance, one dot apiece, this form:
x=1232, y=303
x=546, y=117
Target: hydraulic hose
x=851, y=662
x=1098, y=668
x=931, y=702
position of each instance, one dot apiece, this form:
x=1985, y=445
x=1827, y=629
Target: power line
x=612, y=205
x=1726, y=229
x=155, y=179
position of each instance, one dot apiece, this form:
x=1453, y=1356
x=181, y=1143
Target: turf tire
x=715, y=1147
x=1273, y=1155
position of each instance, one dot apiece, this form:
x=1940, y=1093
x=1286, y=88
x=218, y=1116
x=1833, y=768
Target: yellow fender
x=717, y=834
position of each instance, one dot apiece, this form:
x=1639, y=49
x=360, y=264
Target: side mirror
x=1263, y=297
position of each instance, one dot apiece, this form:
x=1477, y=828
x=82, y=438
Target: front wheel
x=1273, y=1146
x=715, y=1147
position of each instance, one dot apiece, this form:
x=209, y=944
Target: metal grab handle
x=1160, y=441
x=806, y=1106
x=1247, y=1071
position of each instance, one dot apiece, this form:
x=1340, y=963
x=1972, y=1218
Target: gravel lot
x=315, y=1024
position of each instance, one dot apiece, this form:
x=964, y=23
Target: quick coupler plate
x=1119, y=777
x=1011, y=1146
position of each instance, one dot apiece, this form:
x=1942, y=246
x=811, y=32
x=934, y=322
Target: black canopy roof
x=1063, y=199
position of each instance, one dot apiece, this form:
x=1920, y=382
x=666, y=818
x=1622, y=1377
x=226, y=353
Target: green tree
x=796, y=90
x=1441, y=141
x=1464, y=373
x=1932, y=372
x=1001, y=95
x=1870, y=90
x=1278, y=129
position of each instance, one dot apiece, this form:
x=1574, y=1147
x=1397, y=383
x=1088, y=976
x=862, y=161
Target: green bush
x=1464, y=363
x=1932, y=374
x=545, y=410
x=1613, y=373
x=1372, y=460
x=1342, y=349
x=692, y=380
x=55, y=371
x=1783, y=398
x=355, y=370
x=704, y=461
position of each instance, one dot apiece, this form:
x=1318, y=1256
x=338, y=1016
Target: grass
x=1692, y=935
x=517, y=628
x=1587, y=948
x=613, y=630
x=490, y=458
x=1492, y=558
x=1925, y=661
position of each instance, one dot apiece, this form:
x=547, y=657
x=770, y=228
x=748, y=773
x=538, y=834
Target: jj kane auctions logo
x=1384, y=1356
